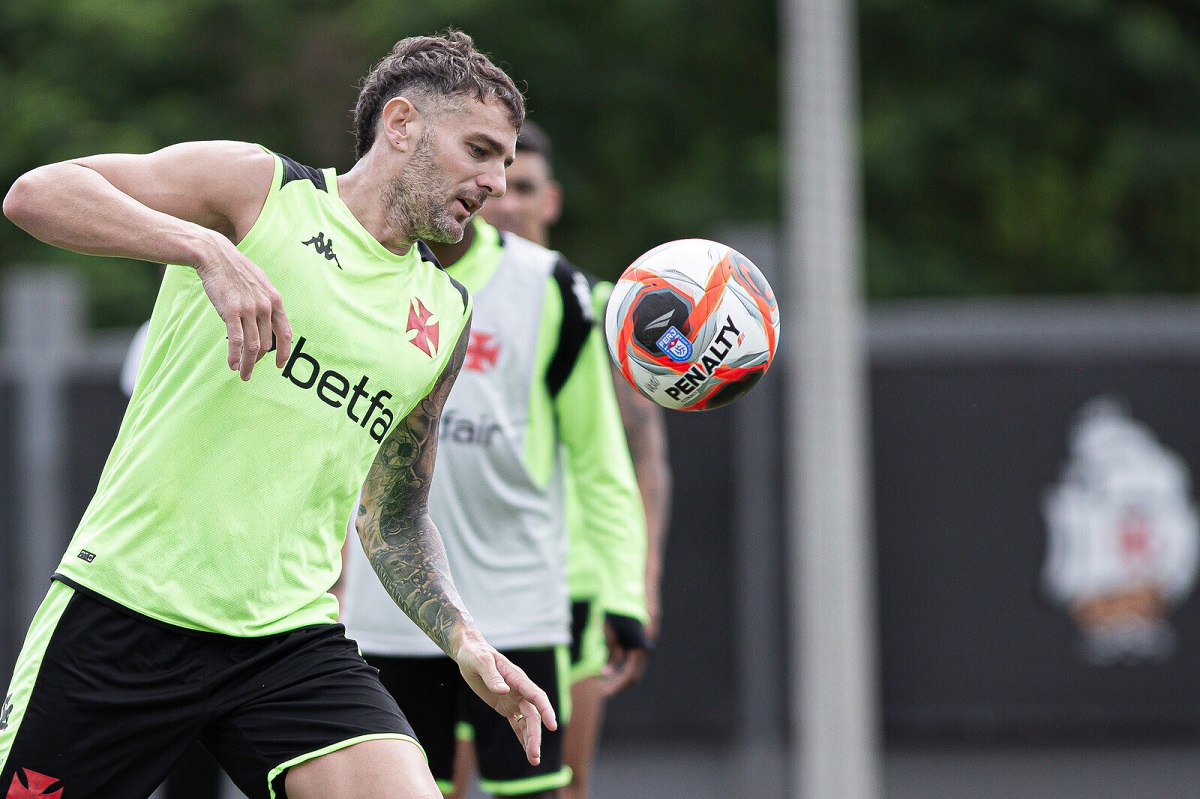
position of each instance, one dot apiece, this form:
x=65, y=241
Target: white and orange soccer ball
x=692, y=325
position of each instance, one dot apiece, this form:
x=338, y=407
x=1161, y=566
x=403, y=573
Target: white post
x=835, y=713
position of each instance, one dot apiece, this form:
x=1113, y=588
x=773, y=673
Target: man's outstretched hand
x=510, y=692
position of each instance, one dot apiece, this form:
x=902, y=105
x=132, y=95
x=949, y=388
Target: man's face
x=456, y=165
x=531, y=204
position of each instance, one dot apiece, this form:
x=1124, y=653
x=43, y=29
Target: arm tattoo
x=400, y=539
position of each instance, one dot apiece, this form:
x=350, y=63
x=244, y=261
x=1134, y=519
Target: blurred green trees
x=1010, y=146
x=663, y=111
x=1031, y=146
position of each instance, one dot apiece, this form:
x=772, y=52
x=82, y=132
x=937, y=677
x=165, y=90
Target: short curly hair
x=432, y=66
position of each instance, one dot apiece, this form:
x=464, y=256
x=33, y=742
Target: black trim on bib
x=576, y=323
x=462, y=290
x=427, y=254
x=292, y=170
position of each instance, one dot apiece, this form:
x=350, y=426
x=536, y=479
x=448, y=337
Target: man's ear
x=401, y=123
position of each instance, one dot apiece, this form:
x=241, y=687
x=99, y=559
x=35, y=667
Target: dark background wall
x=969, y=430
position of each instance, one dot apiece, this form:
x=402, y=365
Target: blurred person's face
x=532, y=202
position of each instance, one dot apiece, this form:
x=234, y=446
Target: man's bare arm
x=400, y=539
x=406, y=551
x=186, y=204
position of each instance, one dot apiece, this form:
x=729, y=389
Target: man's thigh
x=427, y=690
x=381, y=769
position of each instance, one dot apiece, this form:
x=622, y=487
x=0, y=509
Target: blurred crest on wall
x=1122, y=537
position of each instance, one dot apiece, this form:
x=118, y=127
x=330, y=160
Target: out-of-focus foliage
x=1010, y=146
x=1021, y=146
x=663, y=112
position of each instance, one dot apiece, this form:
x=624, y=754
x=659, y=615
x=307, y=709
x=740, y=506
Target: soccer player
x=529, y=208
x=192, y=602
x=533, y=403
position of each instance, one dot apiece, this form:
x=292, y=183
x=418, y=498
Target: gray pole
x=43, y=314
x=835, y=709
x=758, y=604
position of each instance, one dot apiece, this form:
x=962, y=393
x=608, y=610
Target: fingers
x=533, y=711
x=535, y=698
x=252, y=309
x=532, y=701
x=527, y=726
x=489, y=672
x=233, y=332
x=255, y=330
x=508, y=689
x=626, y=671
x=283, y=332
x=252, y=347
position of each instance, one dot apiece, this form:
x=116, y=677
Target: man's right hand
x=508, y=691
x=249, y=305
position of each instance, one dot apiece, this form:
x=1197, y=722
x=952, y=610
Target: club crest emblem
x=482, y=352
x=27, y=784
x=422, y=328
x=1123, y=537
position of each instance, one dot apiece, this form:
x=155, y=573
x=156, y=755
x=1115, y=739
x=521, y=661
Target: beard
x=416, y=202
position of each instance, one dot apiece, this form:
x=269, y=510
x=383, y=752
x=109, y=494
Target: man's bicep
x=220, y=185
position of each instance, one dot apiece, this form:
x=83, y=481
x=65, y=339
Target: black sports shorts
x=104, y=701
x=437, y=701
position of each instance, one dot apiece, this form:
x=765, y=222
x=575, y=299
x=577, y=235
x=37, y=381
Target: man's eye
x=523, y=187
x=478, y=151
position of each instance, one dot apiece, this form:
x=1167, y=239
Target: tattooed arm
x=393, y=522
x=406, y=551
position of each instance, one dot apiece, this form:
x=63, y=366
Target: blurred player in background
x=193, y=600
x=534, y=402
x=529, y=208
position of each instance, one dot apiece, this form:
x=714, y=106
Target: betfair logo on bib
x=335, y=390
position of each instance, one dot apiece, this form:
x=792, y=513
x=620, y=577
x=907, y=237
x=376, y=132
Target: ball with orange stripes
x=692, y=325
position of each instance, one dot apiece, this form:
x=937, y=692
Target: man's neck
x=450, y=254
x=361, y=190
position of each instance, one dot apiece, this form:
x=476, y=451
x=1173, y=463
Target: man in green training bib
x=192, y=602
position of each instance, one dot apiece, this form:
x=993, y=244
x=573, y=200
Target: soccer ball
x=692, y=325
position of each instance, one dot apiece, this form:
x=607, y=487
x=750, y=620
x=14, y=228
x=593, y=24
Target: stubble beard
x=417, y=203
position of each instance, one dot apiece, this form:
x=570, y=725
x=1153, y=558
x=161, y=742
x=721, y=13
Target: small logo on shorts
x=27, y=784
x=88, y=556
x=675, y=345
x=5, y=711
